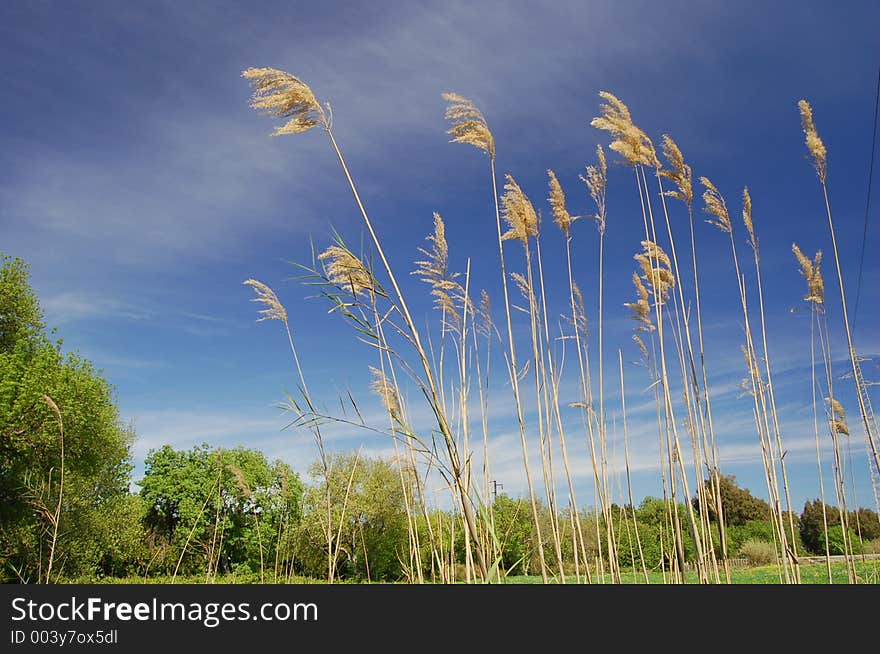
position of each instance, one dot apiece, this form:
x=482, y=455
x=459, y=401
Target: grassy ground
x=867, y=572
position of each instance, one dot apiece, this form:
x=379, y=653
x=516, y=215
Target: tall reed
x=818, y=151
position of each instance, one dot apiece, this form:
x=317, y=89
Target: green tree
x=368, y=514
x=867, y=521
x=220, y=510
x=812, y=524
x=514, y=530
x=96, y=443
x=739, y=505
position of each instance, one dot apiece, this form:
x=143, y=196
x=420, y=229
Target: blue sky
x=142, y=190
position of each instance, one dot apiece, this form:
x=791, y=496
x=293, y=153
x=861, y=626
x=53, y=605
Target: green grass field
x=867, y=572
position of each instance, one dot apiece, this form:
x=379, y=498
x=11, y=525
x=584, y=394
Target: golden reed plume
x=812, y=274
x=346, y=271
x=434, y=271
x=838, y=417
x=716, y=206
x=519, y=213
x=386, y=392
x=281, y=94
x=274, y=309
x=596, y=180
x=468, y=124
x=814, y=142
x=680, y=173
x=747, y=218
x=557, y=203
x=629, y=141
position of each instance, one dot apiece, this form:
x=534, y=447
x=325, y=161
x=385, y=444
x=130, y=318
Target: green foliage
x=367, y=514
x=219, y=509
x=755, y=530
x=758, y=552
x=96, y=443
x=866, y=522
x=738, y=504
x=21, y=320
x=513, y=528
x=836, y=544
x=812, y=525
x=628, y=546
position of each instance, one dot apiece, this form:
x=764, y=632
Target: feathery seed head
x=557, y=202
x=580, y=312
x=747, y=218
x=597, y=181
x=240, y=480
x=838, y=417
x=523, y=285
x=680, y=173
x=484, y=315
x=345, y=270
x=641, y=345
x=716, y=206
x=382, y=387
x=814, y=142
x=274, y=309
x=277, y=93
x=656, y=270
x=435, y=271
x=629, y=141
x=468, y=124
x=810, y=270
x=641, y=309
x=519, y=213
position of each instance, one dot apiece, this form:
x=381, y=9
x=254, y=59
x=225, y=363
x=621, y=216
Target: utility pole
x=495, y=485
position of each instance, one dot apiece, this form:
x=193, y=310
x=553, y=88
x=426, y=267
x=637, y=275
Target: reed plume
x=519, y=213
x=345, y=270
x=641, y=309
x=561, y=217
x=680, y=173
x=596, y=180
x=387, y=393
x=434, y=271
x=812, y=274
x=716, y=206
x=838, y=417
x=468, y=124
x=277, y=93
x=274, y=309
x=814, y=141
x=629, y=141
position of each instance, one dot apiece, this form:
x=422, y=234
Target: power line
x=868, y=203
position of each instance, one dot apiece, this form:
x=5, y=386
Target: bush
x=758, y=552
x=836, y=544
x=871, y=546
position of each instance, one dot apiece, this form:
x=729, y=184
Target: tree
x=813, y=523
x=368, y=517
x=514, y=530
x=739, y=505
x=220, y=510
x=96, y=443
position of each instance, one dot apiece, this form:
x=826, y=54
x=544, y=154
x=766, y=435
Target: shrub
x=836, y=544
x=871, y=546
x=758, y=552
